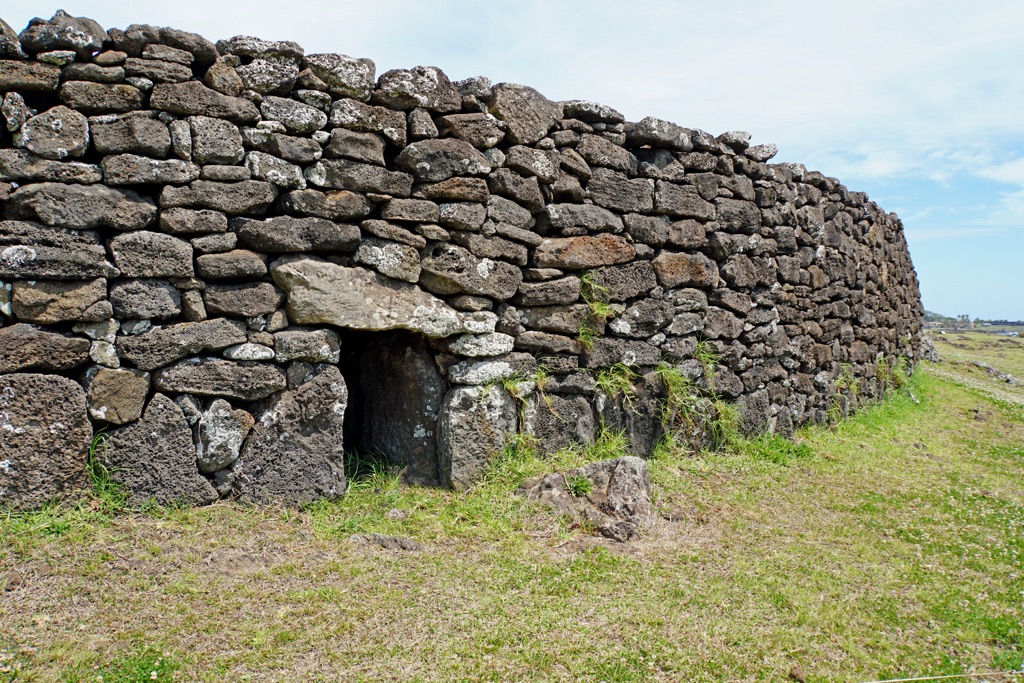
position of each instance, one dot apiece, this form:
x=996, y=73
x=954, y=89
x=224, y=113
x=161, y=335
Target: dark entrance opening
x=395, y=394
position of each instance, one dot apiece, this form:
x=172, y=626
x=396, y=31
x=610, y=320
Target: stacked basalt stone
x=190, y=229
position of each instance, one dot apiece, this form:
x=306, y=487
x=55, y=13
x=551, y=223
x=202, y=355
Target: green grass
x=891, y=545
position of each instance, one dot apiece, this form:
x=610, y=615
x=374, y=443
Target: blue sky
x=918, y=103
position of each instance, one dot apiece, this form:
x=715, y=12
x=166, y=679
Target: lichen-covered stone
x=33, y=251
x=163, y=345
x=220, y=433
x=116, y=396
x=472, y=431
x=55, y=134
x=321, y=292
x=344, y=75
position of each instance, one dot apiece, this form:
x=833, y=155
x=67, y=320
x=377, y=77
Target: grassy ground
x=890, y=546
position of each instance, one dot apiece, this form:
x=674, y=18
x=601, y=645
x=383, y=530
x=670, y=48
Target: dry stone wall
x=236, y=259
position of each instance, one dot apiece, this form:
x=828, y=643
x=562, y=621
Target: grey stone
x=592, y=112
x=598, y=151
x=490, y=370
x=738, y=216
x=157, y=70
x=643, y=319
x=501, y=210
x=64, y=32
x=558, y=319
x=559, y=422
x=338, y=205
x=480, y=345
x=130, y=134
x=347, y=144
x=591, y=218
x=19, y=165
x=401, y=406
x=277, y=171
x=296, y=116
x=190, y=222
x=421, y=125
x=100, y=98
x=116, y=396
x=492, y=247
x=246, y=300
x=579, y=253
x=220, y=434
x=449, y=269
x=658, y=133
x=47, y=302
x=82, y=207
x=32, y=251
x=223, y=78
x=399, y=261
x=288, y=234
x=244, y=198
x=145, y=299
x=675, y=270
x=528, y=114
x=618, y=503
x=737, y=140
x=55, y=134
x=561, y=291
x=309, y=345
x=394, y=233
x=721, y=324
x=27, y=347
x=154, y=458
x=15, y=111
x=649, y=230
x=761, y=153
x=151, y=254
x=28, y=76
x=462, y=215
x=10, y=47
x=361, y=117
x=481, y=129
x=686, y=234
x=321, y=292
x=131, y=169
x=294, y=454
x=192, y=98
x=268, y=76
x=163, y=345
x=249, y=351
x=345, y=174
x=608, y=352
x=475, y=423
x=44, y=439
x=436, y=160
x=230, y=264
x=681, y=201
x=412, y=210
x=244, y=381
x=542, y=163
x=454, y=190
x=291, y=148
x=613, y=190
x=215, y=141
x=421, y=86
x=523, y=191
x=344, y=75
x=167, y=53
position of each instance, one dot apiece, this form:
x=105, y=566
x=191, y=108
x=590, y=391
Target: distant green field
x=891, y=546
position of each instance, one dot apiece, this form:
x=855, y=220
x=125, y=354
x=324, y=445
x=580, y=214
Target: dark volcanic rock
x=44, y=439
x=295, y=452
